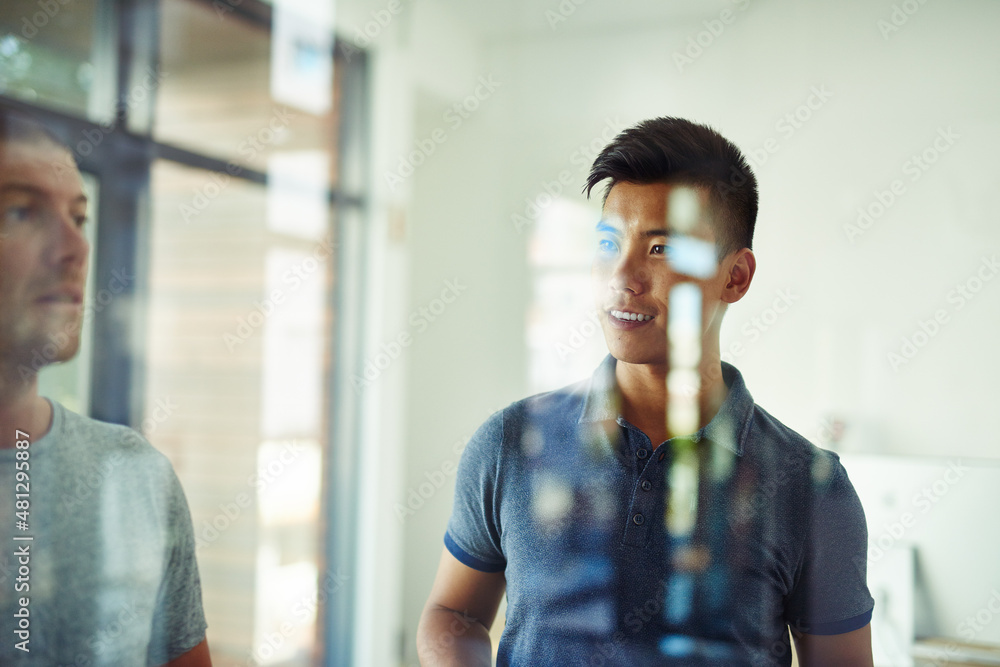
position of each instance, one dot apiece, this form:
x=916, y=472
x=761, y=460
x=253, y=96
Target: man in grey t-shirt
x=98, y=564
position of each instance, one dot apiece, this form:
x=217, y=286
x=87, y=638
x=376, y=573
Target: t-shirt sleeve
x=473, y=535
x=178, y=619
x=831, y=594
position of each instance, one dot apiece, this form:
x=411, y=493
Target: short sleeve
x=178, y=619
x=831, y=593
x=473, y=535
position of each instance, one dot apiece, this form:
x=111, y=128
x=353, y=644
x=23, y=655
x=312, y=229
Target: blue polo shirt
x=569, y=499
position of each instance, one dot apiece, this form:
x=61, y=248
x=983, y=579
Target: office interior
x=331, y=238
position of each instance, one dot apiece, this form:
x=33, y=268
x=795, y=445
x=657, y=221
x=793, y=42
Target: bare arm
x=196, y=657
x=454, y=626
x=853, y=649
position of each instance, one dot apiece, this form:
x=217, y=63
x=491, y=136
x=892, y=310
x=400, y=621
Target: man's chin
x=67, y=354
x=632, y=349
x=54, y=348
x=639, y=357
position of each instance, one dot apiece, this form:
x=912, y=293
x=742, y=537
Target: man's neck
x=643, y=389
x=21, y=408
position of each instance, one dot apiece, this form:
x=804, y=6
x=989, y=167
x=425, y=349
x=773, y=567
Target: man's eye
x=662, y=249
x=607, y=246
x=17, y=214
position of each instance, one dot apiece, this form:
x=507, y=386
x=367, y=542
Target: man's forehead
x=40, y=166
x=638, y=208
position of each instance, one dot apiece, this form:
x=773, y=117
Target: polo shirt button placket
x=638, y=519
x=642, y=454
x=646, y=485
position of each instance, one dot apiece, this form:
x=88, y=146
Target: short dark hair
x=16, y=126
x=674, y=150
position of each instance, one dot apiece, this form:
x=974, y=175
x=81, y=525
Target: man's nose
x=629, y=274
x=68, y=242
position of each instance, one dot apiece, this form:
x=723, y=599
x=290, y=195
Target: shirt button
x=642, y=453
x=646, y=485
x=638, y=519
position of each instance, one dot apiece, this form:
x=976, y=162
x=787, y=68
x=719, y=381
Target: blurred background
x=331, y=239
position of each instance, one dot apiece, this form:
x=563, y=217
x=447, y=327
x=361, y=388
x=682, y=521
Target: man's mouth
x=71, y=297
x=627, y=316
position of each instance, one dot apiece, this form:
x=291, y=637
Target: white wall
x=828, y=355
x=559, y=89
x=426, y=234
x=928, y=504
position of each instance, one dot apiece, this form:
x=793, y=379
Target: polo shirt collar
x=729, y=427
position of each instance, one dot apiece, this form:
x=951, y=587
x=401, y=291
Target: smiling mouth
x=626, y=316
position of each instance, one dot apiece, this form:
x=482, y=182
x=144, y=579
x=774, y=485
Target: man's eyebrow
x=603, y=226
x=34, y=190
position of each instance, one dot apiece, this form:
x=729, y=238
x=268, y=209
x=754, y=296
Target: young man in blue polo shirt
x=616, y=543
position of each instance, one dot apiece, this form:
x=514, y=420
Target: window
x=565, y=341
x=232, y=207
x=59, y=55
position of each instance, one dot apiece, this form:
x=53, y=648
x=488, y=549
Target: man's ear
x=739, y=267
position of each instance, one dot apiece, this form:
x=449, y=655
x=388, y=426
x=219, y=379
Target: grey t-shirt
x=112, y=577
